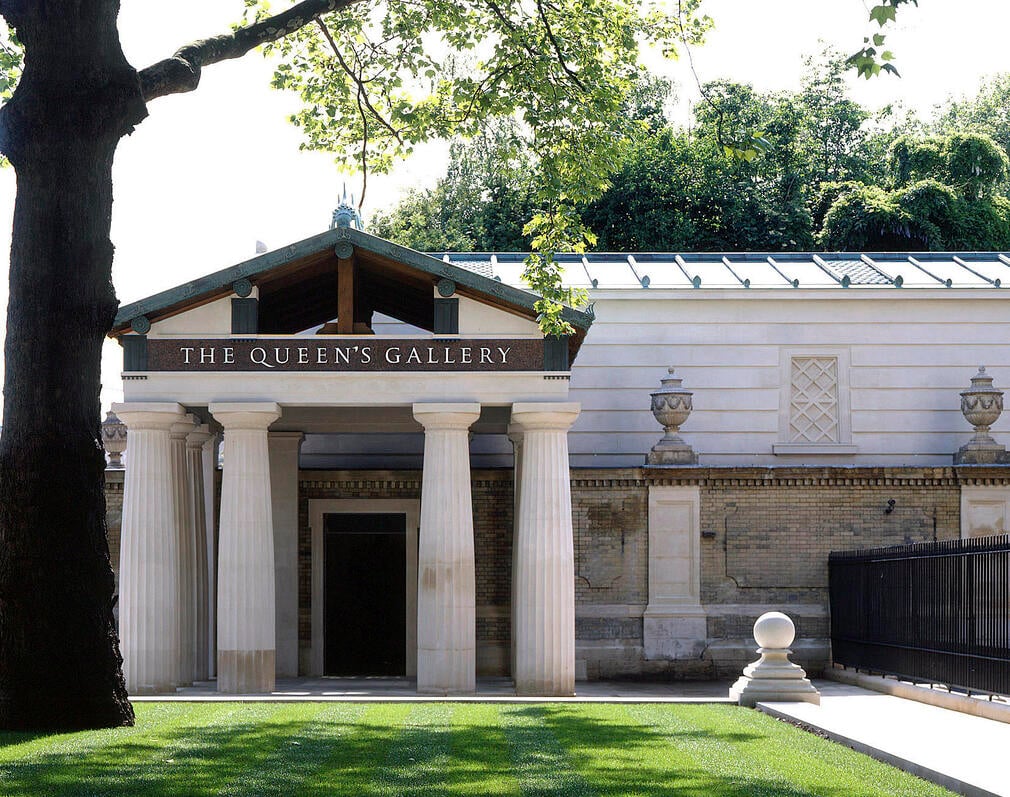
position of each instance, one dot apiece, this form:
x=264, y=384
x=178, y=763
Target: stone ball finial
x=773, y=677
x=774, y=630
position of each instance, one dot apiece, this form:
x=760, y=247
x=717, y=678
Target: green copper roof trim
x=221, y=282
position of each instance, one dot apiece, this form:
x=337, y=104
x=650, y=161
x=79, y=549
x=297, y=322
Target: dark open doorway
x=365, y=594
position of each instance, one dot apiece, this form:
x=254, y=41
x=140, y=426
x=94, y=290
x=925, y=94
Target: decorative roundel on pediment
x=446, y=287
x=141, y=325
x=242, y=287
x=343, y=249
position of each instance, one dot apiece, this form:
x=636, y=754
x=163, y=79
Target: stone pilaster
x=245, y=590
x=543, y=624
x=149, y=551
x=201, y=569
x=674, y=626
x=187, y=554
x=446, y=591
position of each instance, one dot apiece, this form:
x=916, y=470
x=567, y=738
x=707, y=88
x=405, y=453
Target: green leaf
x=878, y=39
x=883, y=14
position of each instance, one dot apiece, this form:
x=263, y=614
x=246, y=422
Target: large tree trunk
x=60, y=666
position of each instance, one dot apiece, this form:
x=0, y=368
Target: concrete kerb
x=922, y=693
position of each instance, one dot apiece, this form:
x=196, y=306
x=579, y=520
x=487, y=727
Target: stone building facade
x=825, y=417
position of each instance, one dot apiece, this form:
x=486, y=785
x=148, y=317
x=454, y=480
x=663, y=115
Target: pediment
x=299, y=287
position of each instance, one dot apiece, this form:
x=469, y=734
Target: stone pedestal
x=773, y=678
x=184, y=513
x=446, y=592
x=245, y=591
x=543, y=623
x=149, y=551
x=195, y=441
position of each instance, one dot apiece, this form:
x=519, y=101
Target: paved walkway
x=495, y=690
x=968, y=755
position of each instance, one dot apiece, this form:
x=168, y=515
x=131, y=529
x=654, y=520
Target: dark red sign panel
x=367, y=354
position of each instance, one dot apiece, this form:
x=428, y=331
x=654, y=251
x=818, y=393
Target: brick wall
x=765, y=539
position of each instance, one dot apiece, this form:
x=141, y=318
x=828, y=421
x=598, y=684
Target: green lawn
x=443, y=748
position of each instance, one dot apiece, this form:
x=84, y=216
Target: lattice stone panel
x=813, y=405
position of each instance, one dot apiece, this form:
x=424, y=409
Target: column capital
x=200, y=435
x=140, y=415
x=446, y=416
x=183, y=426
x=544, y=415
x=295, y=436
x=248, y=415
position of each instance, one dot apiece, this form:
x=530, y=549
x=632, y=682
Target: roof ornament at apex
x=346, y=214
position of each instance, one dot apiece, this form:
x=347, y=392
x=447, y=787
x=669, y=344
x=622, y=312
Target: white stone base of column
x=674, y=632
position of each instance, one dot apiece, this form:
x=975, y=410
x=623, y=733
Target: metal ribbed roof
x=763, y=270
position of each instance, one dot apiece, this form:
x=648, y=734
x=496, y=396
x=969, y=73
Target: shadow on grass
x=332, y=749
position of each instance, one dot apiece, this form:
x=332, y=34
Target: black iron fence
x=936, y=612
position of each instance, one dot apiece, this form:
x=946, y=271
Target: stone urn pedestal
x=981, y=405
x=671, y=405
x=773, y=678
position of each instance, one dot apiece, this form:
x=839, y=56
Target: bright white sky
x=209, y=173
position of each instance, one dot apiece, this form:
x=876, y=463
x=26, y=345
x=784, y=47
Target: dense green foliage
x=832, y=179
x=404, y=749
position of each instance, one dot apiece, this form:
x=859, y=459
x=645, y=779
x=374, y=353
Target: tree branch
x=360, y=83
x=557, y=48
x=181, y=72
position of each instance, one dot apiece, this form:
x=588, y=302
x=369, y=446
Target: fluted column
x=185, y=534
x=515, y=436
x=245, y=590
x=446, y=592
x=543, y=624
x=149, y=551
x=210, y=452
x=200, y=640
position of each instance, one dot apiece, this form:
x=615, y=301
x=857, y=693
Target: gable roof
x=298, y=285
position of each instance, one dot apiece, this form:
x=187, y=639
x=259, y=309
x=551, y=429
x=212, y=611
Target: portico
x=419, y=349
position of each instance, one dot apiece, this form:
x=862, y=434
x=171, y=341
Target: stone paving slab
x=966, y=754
x=489, y=690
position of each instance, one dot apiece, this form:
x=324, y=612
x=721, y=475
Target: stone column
x=245, y=590
x=149, y=551
x=186, y=535
x=284, y=448
x=201, y=601
x=543, y=625
x=446, y=592
x=210, y=452
x=515, y=436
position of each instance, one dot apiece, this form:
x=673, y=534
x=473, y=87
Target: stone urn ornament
x=114, y=439
x=671, y=405
x=981, y=405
